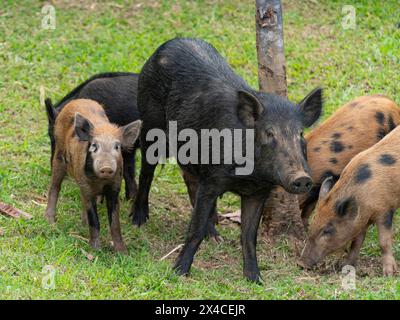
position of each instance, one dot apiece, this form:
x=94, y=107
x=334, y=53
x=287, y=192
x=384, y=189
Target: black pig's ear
x=311, y=107
x=83, y=127
x=249, y=108
x=130, y=132
x=326, y=186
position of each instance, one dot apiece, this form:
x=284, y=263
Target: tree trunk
x=270, y=48
x=281, y=214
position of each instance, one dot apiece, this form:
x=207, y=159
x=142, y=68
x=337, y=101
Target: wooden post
x=270, y=48
x=281, y=214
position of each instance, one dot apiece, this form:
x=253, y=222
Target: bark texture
x=281, y=214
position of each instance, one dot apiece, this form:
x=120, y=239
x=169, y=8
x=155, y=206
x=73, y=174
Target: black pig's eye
x=269, y=134
x=326, y=232
x=117, y=147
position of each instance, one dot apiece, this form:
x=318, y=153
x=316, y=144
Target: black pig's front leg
x=251, y=214
x=129, y=174
x=203, y=209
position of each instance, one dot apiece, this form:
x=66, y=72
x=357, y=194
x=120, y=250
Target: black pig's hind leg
x=141, y=205
x=192, y=184
x=129, y=174
x=203, y=209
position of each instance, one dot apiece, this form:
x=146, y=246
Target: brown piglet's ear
x=83, y=127
x=130, y=133
x=347, y=208
x=326, y=186
x=249, y=108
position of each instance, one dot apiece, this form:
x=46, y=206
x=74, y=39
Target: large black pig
x=117, y=93
x=187, y=83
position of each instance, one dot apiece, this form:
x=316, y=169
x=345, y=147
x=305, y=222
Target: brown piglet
x=88, y=148
x=367, y=192
x=353, y=128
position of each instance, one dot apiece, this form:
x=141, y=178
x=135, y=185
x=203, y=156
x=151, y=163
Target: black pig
x=117, y=93
x=188, y=81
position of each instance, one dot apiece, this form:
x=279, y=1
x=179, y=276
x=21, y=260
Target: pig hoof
x=130, y=194
x=389, y=267
x=50, y=218
x=302, y=264
x=215, y=237
x=213, y=234
x=140, y=218
x=121, y=248
x=218, y=239
x=181, y=269
x=254, y=277
x=95, y=244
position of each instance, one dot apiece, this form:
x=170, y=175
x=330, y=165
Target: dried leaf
x=88, y=255
x=77, y=236
x=13, y=212
x=38, y=204
x=233, y=216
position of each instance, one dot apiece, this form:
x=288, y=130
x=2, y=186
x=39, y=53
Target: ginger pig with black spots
x=353, y=128
x=367, y=192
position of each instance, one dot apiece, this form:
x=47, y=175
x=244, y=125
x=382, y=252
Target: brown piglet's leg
x=352, y=256
x=58, y=173
x=112, y=200
x=90, y=207
x=384, y=225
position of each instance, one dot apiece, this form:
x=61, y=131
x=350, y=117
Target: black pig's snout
x=301, y=185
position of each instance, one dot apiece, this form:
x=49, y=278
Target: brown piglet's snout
x=310, y=256
x=107, y=172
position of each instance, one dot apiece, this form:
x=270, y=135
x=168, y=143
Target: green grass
x=96, y=37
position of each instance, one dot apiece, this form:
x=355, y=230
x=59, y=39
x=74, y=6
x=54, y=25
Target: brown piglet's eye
x=328, y=230
x=93, y=147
